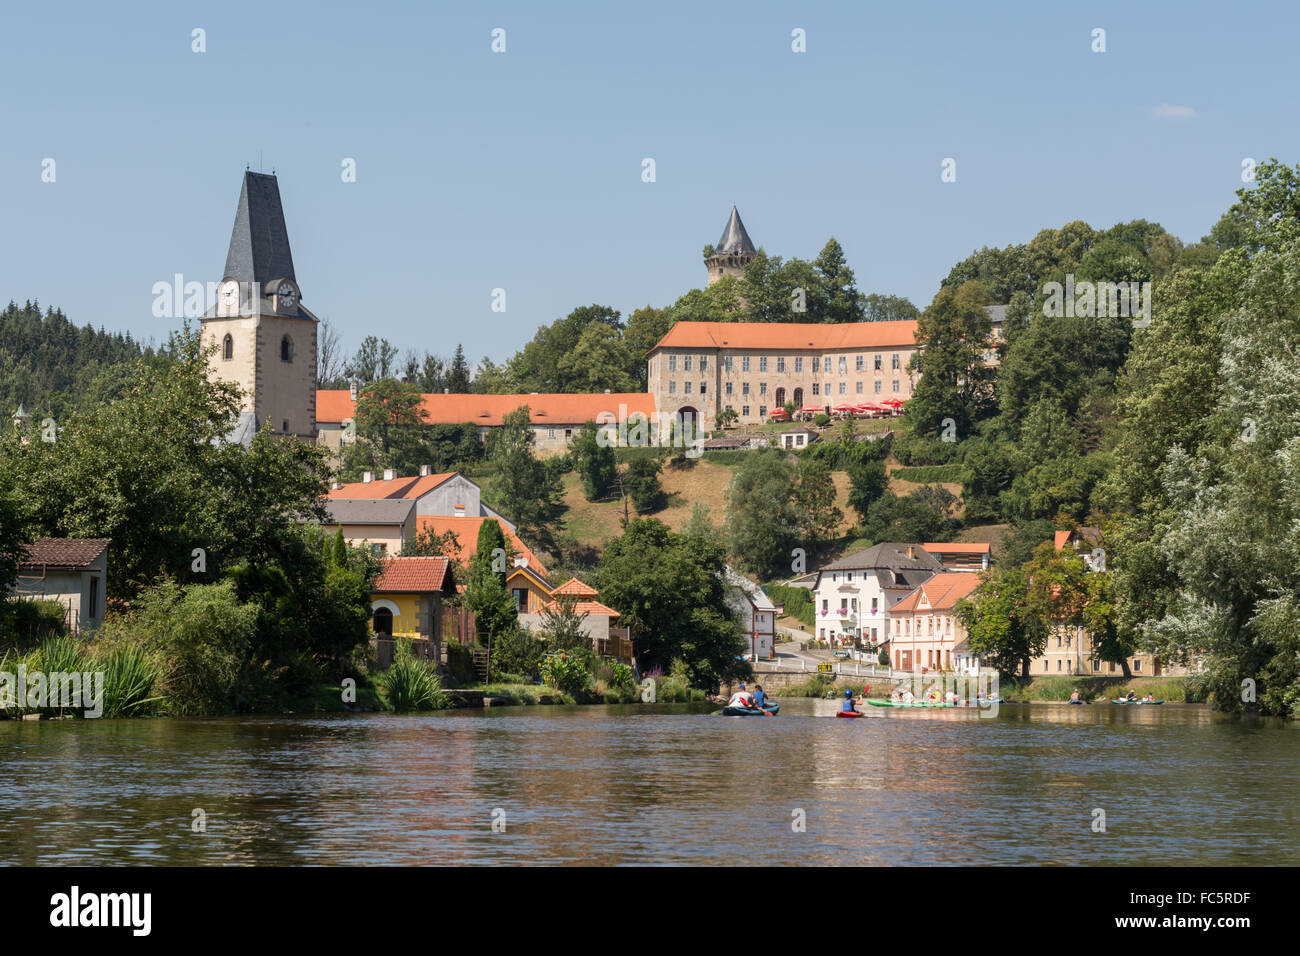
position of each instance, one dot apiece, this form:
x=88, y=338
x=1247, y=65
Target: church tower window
x=228, y=348
x=286, y=349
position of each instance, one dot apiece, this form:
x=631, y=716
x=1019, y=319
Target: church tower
x=265, y=339
x=733, y=252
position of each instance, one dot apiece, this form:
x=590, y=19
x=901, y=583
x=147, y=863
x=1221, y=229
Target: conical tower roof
x=259, y=243
x=734, y=238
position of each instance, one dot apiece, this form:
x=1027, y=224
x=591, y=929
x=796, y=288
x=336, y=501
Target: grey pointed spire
x=734, y=238
x=259, y=243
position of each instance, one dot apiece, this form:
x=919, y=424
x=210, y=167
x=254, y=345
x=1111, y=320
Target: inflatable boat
x=849, y=713
x=1121, y=700
x=770, y=708
x=915, y=703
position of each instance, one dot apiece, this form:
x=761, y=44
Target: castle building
x=264, y=338
x=733, y=252
x=700, y=368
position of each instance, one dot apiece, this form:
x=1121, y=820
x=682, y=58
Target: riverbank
x=1059, y=689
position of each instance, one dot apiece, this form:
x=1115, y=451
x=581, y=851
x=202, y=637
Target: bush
x=131, y=673
x=460, y=662
x=515, y=652
x=821, y=419
x=413, y=684
x=27, y=623
x=566, y=672
x=929, y=473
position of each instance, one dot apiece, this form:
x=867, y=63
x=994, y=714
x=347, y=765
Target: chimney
x=911, y=551
x=389, y=474
x=367, y=477
x=446, y=391
x=338, y=485
x=606, y=391
x=352, y=391
x=424, y=471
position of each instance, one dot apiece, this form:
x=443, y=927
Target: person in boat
x=760, y=696
x=1075, y=695
x=847, y=706
x=1131, y=696
x=908, y=697
x=742, y=698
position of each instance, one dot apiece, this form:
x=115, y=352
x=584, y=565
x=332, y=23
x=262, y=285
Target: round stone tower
x=733, y=252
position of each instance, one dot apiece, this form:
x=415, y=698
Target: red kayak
x=849, y=713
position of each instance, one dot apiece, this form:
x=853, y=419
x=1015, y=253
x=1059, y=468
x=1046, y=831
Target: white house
x=72, y=571
x=852, y=597
x=755, y=611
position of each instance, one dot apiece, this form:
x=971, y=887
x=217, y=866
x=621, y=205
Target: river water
x=1178, y=785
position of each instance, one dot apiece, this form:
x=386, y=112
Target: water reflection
x=663, y=784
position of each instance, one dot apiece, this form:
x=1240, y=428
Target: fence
x=386, y=647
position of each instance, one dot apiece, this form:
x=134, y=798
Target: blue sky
x=522, y=170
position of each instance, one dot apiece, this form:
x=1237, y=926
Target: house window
x=844, y=365
x=378, y=550
x=816, y=386
x=726, y=362
x=704, y=363
x=843, y=386
x=672, y=387
x=860, y=363
x=688, y=387
x=828, y=389
x=1137, y=665
x=825, y=602
x=798, y=363
x=727, y=387
x=744, y=388
x=896, y=385
x=686, y=363
x=762, y=388
x=1096, y=666
x=762, y=363
x=877, y=386
x=780, y=363
x=284, y=426
x=550, y=433
x=521, y=600
x=826, y=364
x=744, y=363
x=878, y=362
x=93, y=608
x=703, y=387
x=874, y=604
x=228, y=348
x=762, y=411
x=672, y=363
x=744, y=410
x=859, y=388
x=896, y=365
x=286, y=349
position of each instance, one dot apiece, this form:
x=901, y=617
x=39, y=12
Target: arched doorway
x=688, y=423
x=798, y=399
x=780, y=397
x=383, y=621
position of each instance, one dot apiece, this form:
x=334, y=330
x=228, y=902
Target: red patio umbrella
x=892, y=403
x=844, y=408
x=812, y=409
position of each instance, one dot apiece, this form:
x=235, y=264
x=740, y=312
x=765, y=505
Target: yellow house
x=530, y=589
x=407, y=602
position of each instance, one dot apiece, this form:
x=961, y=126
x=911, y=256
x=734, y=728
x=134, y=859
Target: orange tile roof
x=467, y=529
x=415, y=574
x=790, y=336
x=943, y=591
x=397, y=488
x=336, y=405
x=1061, y=538
x=955, y=548
x=576, y=588
x=585, y=607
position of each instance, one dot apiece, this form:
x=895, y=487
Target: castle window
x=859, y=388
x=877, y=386
x=286, y=349
x=878, y=362
x=860, y=362
x=744, y=363
x=672, y=387
x=672, y=363
x=726, y=360
x=780, y=363
x=285, y=429
x=798, y=363
x=728, y=388
x=686, y=362
x=762, y=363
x=228, y=348
x=896, y=365
x=826, y=364
x=704, y=363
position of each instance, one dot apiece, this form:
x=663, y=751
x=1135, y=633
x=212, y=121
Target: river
x=1178, y=785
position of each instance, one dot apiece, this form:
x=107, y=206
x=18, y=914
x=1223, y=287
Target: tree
x=999, y=626
x=842, y=301
x=762, y=520
x=13, y=540
x=524, y=488
x=458, y=377
x=329, y=357
x=430, y=543
x=641, y=483
x=728, y=416
x=668, y=589
x=956, y=383
x=818, y=518
x=887, y=308
x=373, y=360
x=562, y=625
x=596, y=466
x=385, y=406
x=867, y=482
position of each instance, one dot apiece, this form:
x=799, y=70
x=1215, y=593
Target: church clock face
x=230, y=297
x=288, y=295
